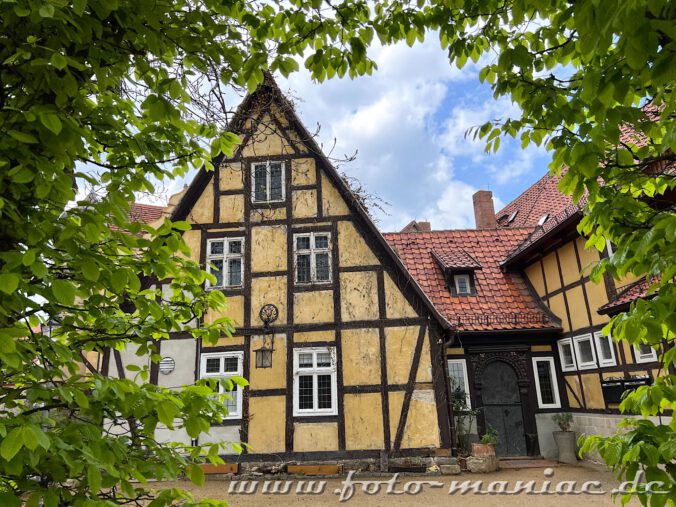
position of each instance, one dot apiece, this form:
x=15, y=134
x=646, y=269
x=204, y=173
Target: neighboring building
x=341, y=347
x=528, y=319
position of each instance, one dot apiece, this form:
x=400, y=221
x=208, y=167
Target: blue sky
x=408, y=122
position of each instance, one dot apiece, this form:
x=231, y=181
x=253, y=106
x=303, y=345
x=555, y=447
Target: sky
x=407, y=124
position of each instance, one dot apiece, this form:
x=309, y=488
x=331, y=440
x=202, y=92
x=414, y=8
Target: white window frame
x=254, y=165
x=598, y=336
x=237, y=394
x=315, y=371
x=555, y=382
x=225, y=257
x=569, y=342
x=463, y=362
x=590, y=364
x=457, y=287
x=641, y=358
x=313, y=259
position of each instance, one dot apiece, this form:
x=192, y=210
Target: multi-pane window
x=645, y=353
x=545, y=382
x=314, y=389
x=225, y=260
x=457, y=374
x=462, y=284
x=605, y=349
x=312, y=257
x=584, y=351
x=224, y=366
x=566, y=354
x=268, y=182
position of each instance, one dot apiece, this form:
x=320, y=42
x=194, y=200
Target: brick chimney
x=484, y=210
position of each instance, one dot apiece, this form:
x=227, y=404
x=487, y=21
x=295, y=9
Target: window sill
x=315, y=417
x=309, y=287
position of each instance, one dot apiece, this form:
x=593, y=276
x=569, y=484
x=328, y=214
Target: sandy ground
x=432, y=494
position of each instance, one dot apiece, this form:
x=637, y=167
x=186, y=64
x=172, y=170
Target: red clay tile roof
x=502, y=301
x=625, y=296
x=455, y=259
x=415, y=226
x=542, y=198
x=145, y=213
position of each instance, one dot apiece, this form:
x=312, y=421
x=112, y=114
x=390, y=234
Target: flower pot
x=483, y=450
x=567, y=445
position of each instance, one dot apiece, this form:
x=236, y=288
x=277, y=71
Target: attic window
x=543, y=219
x=512, y=217
x=268, y=182
x=462, y=285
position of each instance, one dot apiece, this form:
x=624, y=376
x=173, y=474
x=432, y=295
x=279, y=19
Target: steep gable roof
x=503, y=300
x=269, y=93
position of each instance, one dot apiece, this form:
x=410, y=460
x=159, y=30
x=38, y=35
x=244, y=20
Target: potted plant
x=465, y=418
x=486, y=446
x=565, y=438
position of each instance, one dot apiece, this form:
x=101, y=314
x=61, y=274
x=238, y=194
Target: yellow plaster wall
x=578, y=308
x=303, y=171
x=268, y=290
x=628, y=356
x=569, y=268
x=573, y=387
x=304, y=203
x=203, y=210
x=587, y=256
x=268, y=378
x=309, y=437
x=358, y=296
x=541, y=348
x=231, y=208
x=421, y=429
x=363, y=421
x=263, y=214
x=332, y=202
x=593, y=394
x=558, y=306
x=266, y=140
x=234, y=309
x=551, y=272
x=534, y=274
x=313, y=307
x=231, y=176
x=596, y=293
x=267, y=424
x=314, y=336
x=396, y=305
x=455, y=350
x=361, y=356
x=268, y=248
x=352, y=249
x=400, y=345
x=224, y=342
x=425, y=367
x=192, y=240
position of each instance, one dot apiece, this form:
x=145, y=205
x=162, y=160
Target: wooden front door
x=502, y=385
x=502, y=408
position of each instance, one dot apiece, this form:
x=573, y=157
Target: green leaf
x=89, y=269
x=94, y=478
x=9, y=282
x=58, y=60
x=197, y=475
x=47, y=11
x=22, y=137
x=64, y=292
x=51, y=121
x=11, y=444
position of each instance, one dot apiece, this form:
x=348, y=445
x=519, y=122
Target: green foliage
x=563, y=420
x=490, y=437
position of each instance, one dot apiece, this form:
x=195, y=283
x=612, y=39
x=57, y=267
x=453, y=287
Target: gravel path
x=434, y=493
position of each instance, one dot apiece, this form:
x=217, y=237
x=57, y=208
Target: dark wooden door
x=502, y=408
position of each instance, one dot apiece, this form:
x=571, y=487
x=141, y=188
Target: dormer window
x=462, y=284
x=512, y=217
x=268, y=182
x=543, y=219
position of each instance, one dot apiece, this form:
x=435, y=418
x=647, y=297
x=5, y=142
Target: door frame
x=518, y=357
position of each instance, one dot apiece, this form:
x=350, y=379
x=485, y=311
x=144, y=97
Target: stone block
x=482, y=465
x=450, y=469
